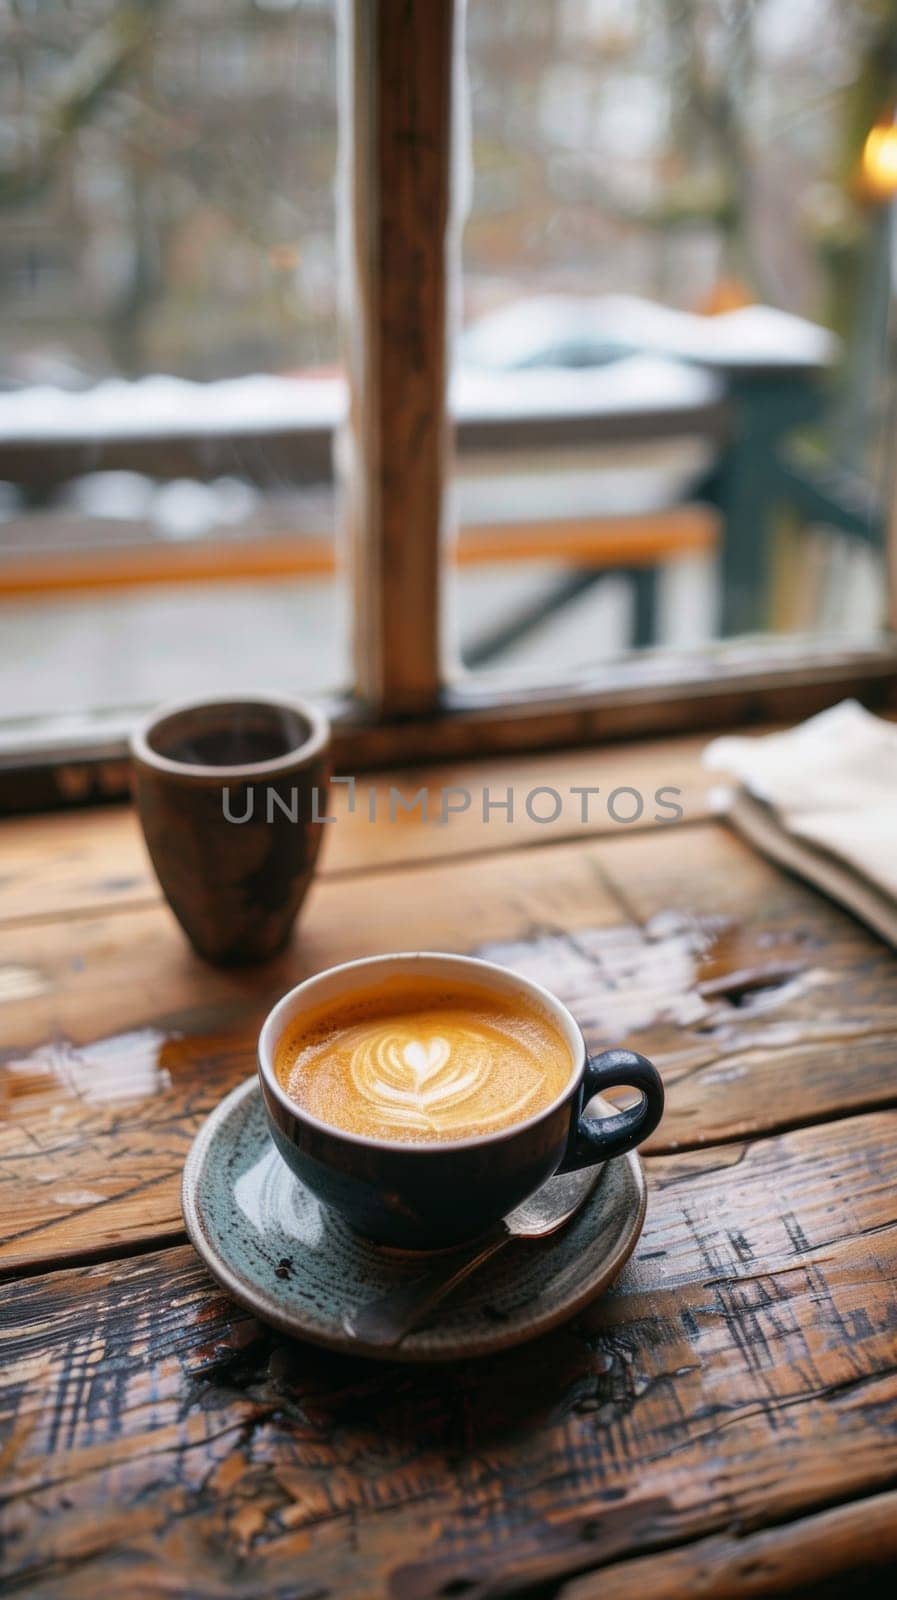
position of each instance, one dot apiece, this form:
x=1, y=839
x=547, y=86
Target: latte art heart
x=424, y=1060
x=405, y=1063
x=427, y=1083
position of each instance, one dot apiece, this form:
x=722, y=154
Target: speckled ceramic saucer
x=295, y=1264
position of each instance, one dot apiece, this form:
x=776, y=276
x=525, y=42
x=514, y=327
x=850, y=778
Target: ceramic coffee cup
x=430, y=1195
x=229, y=793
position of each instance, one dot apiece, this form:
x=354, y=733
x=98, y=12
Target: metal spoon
x=386, y=1320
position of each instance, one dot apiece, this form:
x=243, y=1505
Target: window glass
x=672, y=371
x=168, y=366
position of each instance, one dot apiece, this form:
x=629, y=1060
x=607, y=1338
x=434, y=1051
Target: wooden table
x=724, y=1422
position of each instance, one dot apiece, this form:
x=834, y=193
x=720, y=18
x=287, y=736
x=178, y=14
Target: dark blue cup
x=430, y=1195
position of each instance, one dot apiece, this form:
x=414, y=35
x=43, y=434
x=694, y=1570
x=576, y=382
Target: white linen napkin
x=821, y=799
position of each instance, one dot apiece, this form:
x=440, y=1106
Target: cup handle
x=598, y=1138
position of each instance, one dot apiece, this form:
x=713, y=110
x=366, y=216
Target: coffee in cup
x=423, y=1096
x=412, y=1059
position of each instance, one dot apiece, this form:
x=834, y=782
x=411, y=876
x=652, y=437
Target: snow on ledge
x=166, y=407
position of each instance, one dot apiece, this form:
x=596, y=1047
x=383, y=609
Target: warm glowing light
x=880, y=162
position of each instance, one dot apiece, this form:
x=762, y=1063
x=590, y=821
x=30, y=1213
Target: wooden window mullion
x=398, y=147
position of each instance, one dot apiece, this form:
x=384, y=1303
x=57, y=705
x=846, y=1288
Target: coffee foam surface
x=415, y=1060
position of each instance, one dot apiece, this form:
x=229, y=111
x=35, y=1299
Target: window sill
x=59, y=761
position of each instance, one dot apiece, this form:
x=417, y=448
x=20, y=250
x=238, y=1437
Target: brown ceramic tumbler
x=231, y=794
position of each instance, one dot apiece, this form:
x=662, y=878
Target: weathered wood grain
x=789, y=1011
x=90, y=861
x=724, y=1423
x=157, y=1441
x=851, y=1549
x=397, y=160
x=122, y=1041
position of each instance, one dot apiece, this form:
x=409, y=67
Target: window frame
x=399, y=65
x=53, y=762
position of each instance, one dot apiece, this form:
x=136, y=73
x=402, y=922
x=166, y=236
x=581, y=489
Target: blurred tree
x=712, y=56
x=844, y=247
x=102, y=63
x=179, y=157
